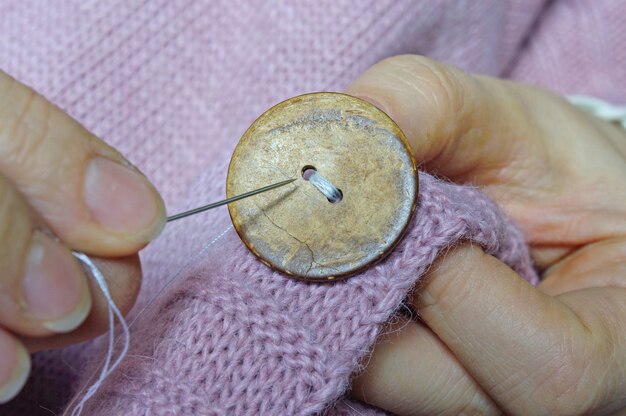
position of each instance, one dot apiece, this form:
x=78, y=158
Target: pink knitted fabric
x=174, y=84
x=246, y=340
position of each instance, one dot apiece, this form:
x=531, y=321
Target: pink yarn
x=237, y=338
x=174, y=84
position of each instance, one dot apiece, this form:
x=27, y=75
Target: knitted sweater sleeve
x=238, y=338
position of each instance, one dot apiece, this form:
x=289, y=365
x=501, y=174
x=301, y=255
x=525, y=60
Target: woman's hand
x=62, y=189
x=487, y=342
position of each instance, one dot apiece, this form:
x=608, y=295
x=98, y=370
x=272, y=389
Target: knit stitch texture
x=174, y=84
x=251, y=341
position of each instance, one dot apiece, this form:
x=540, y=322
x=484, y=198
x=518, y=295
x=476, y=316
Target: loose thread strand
x=192, y=260
x=109, y=365
x=113, y=312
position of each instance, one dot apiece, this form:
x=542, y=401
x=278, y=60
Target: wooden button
x=296, y=229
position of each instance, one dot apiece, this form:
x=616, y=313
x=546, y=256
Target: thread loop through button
x=330, y=191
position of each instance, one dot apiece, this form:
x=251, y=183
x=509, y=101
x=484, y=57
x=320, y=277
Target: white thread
x=599, y=108
x=107, y=367
x=180, y=271
x=113, y=311
x=330, y=191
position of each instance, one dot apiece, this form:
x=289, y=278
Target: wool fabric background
x=174, y=84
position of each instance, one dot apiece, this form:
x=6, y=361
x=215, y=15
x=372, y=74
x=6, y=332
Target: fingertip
x=424, y=97
x=123, y=278
x=376, y=101
x=383, y=87
x=457, y=124
x=14, y=367
x=54, y=288
x=122, y=200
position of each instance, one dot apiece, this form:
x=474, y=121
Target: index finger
x=87, y=192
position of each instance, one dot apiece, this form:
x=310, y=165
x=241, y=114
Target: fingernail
x=14, y=367
x=55, y=288
x=121, y=199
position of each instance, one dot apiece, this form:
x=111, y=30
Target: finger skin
x=532, y=353
x=528, y=149
x=91, y=197
x=453, y=121
x=601, y=264
x=411, y=372
x=123, y=277
x=42, y=287
x=14, y=367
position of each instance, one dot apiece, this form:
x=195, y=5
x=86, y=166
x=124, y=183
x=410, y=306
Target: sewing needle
x=228, y=200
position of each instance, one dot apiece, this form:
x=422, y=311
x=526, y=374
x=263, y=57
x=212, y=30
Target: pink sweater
x=174, y=84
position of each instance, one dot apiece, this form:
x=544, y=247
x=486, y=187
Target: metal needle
x=228, y=200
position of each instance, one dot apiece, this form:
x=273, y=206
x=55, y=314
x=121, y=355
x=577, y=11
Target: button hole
x=331, y=192
x=307, y=171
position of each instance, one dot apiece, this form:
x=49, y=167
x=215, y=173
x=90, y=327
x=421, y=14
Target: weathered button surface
x=295, y=229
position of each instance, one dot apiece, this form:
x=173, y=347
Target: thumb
x=460, y=126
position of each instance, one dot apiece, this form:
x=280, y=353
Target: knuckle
x=564, y=385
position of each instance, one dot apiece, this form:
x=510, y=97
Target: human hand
x=62, y=189
x=487, y=342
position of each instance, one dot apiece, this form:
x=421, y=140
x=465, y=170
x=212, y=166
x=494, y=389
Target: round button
x=355, y=192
